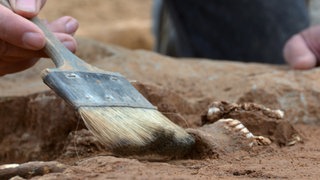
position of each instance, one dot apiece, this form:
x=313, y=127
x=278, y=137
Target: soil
x=248, y=120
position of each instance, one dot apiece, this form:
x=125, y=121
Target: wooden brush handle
x=60, y=55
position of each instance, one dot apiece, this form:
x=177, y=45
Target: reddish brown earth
x=36, y=125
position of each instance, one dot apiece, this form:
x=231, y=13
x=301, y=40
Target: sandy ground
x=38, y=126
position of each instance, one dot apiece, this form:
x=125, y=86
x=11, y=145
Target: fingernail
x=71, y=26
x=70, y=45
x=27, y=5
x=33, y=40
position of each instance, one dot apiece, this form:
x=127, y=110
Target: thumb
x=27, y=8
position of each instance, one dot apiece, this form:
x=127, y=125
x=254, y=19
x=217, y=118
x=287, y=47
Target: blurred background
x=122, y=22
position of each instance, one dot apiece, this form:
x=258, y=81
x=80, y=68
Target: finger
x=312, y=38
x=13, y=60
x=298, y=55
x=9, y=51
x=27, y=8
x=64, y=24
x=7, y=68
x=19, y=31
x=68, y=41
x=302, y=51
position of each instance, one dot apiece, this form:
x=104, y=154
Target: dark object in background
x=244, y=30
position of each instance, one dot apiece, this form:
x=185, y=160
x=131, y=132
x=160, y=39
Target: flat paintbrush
x=112, y=109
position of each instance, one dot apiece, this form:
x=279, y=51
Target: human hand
x=302, y=51
x=21, y=41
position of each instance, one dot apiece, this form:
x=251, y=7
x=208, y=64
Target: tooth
x=224, y=120
x=234, y=123
x=249, y=135
x=280, y=113
x=245, y=131
x=240, y=126
x=212, y=111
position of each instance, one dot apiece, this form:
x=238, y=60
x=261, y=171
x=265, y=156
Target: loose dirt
x=277, y=108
